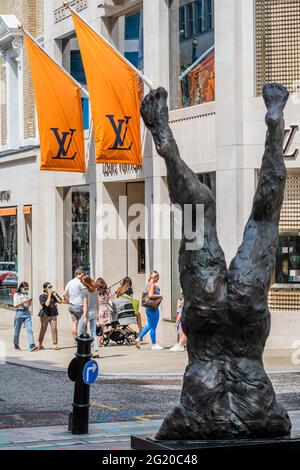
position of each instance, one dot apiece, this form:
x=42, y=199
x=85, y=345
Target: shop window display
x=287, y=270
x=81, y=230
x=8, y=258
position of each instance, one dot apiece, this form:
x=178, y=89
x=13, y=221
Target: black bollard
x=79, y=419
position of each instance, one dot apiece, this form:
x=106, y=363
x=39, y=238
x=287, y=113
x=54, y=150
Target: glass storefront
x=287, y=270
x=76, y=230
x=81, y=230
x=192, y=64
x=8, y=258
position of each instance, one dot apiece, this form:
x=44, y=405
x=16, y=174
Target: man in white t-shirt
x=73, y=295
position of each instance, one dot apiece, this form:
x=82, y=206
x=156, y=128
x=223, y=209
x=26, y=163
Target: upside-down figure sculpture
x=226, y=391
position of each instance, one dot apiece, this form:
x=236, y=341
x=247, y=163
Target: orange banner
x=113, y=89
x=59, y=110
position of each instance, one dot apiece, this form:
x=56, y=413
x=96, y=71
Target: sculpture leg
x=184, y=186
x=251, y=270
x=203, y=271
x=249, y=280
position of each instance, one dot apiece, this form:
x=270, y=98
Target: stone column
x=234, y=84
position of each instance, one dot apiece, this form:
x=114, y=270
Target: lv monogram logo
x=119, y=143
x=289, y=135
x=64, y=142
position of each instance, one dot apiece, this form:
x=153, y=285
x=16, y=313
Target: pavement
x=35, y=405
x=127, y=361
x=107, y=436
x=102, y=436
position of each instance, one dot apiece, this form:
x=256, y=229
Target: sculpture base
x=281, y=443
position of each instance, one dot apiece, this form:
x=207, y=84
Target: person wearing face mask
x=48, y=314
x=22, y=302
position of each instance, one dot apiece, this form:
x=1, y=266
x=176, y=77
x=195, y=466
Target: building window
x=287, y=269
x=182, y=23
x=8, y=257
x=210, y=12
x=132, y=26
x=141, y=256
x=277, y=43
x=191, y=82
x=133, y=58
x=190, y=20
x=85, y=103
x=134, y=39
x=77, y=71
x=199, y=17
x=81, y=230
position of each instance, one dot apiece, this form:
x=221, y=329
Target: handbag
x=150, y=303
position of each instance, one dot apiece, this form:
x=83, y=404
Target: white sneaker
x=138, y=343
x=157, y=347
x=177, y=348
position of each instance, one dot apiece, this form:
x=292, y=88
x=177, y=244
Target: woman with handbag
x=151, y=300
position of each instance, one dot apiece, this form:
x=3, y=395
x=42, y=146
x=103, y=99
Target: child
x=104, y=312
x=182, y=340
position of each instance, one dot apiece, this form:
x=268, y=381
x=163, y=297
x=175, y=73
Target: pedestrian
x=126, y=289
x=103, y=302
x=48, y=314
x=90, y=311
x=182, y=339
x=73, y=296
x=153, y=292
x=22, y=302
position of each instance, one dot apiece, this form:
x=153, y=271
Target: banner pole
x=146, y=80
x=84, y=91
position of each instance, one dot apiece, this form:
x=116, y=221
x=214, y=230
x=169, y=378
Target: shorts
x=76, y=312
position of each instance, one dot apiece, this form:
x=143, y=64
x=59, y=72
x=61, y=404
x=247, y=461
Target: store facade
x=210, y=56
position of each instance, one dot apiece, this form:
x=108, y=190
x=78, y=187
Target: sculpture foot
x=154, y=109
x=275, y=97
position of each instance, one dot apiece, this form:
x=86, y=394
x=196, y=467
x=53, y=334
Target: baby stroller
x=119, y=330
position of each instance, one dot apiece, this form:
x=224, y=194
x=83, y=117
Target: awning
x=8, y=211
x=27, y=210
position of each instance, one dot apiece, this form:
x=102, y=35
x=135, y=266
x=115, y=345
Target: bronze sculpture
x=226, y=391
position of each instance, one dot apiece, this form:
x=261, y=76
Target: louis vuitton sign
x=4, y=196
x=289, y=135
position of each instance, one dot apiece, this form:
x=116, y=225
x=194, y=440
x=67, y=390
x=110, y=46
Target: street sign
x=90, y=372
